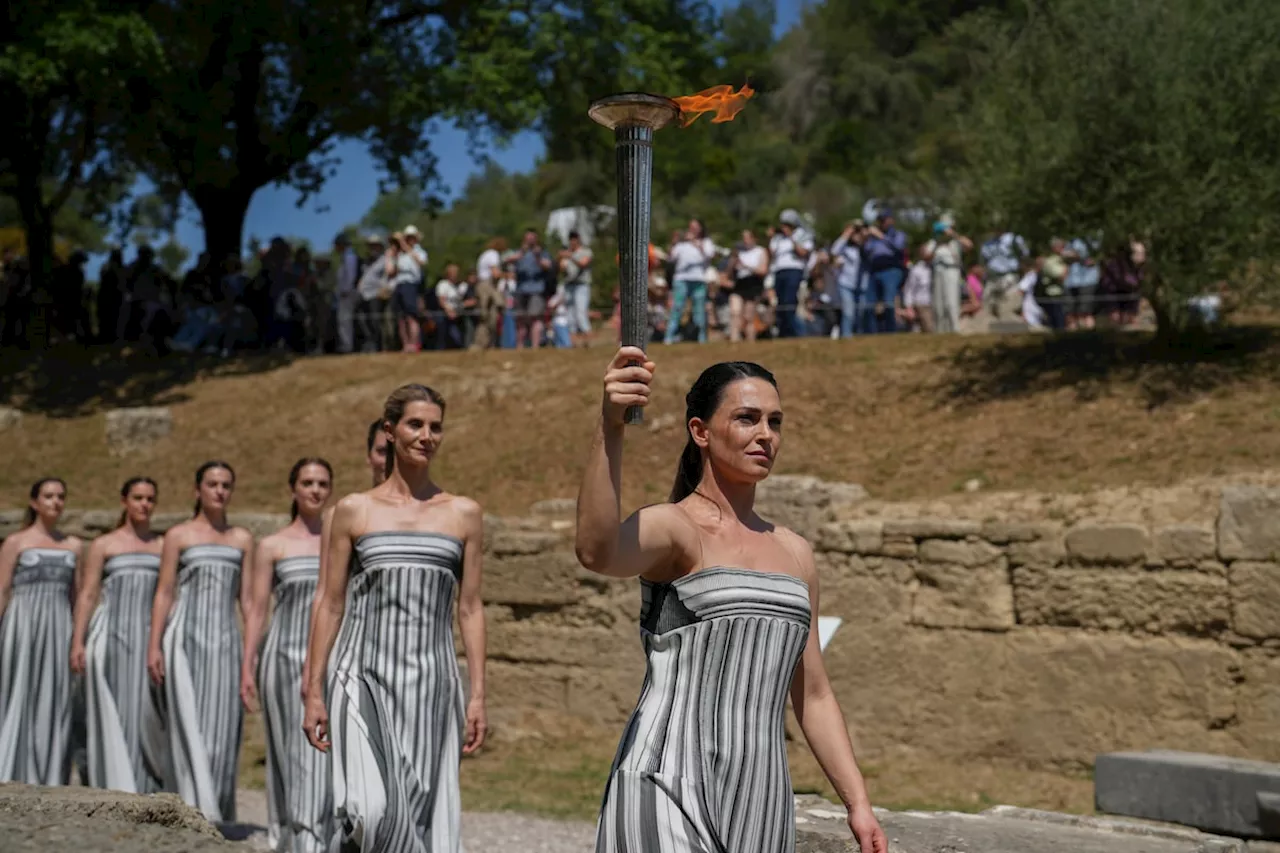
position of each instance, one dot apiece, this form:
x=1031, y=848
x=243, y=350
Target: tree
x=1137, y=120
x=70, y=75
x=260, y=91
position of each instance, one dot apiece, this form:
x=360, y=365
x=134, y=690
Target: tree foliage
x=70, y=78
x=1137, y=120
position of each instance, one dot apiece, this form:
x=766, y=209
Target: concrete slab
x=1232, y=796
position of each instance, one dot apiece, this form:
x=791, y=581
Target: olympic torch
x=633, y=117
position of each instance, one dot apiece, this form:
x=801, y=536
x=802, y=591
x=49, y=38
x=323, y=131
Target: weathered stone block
x=976, y=553
x=1249, y=523
x=540, y=580
x=1107, y=543
x=805, y=503
x=523, y=642
x=901, y=548
x=555, y=507
x=1185, y=545
x=506, y=543
x=1004, y=532
x=858, y=536
x=956, y=596
x=931, y=528
x=134, y=429
x=1210, y=792
x=1109, y=599
x=1255, y=599
x=10, y=418
x=1043, y=552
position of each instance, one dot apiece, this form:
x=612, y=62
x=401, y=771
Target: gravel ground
x=500, y=832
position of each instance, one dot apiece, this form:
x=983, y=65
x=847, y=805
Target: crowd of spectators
x=373, y=293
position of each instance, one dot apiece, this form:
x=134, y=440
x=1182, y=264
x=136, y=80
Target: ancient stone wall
x=1036, y=630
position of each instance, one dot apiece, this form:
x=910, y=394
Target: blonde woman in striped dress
x=727, y=603
x=37, y=575
x=123, y=566
x=288, y=561
x=196, y=651
x=396, y=708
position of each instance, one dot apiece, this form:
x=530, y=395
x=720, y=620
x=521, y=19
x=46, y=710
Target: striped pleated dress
x=117, y=688
x=299, y=806
x=702, y=766
x=202, y=657
x=395, y=698
x=35, y=670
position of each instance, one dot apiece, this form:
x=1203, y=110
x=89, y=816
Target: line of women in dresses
x=361, y=633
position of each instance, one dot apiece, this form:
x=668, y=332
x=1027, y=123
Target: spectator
x=531, y=266
x=467, y=318
x=68, y=298
x=413, y=245
x=851, y=284
x=110, y=296
x=918, y=294
x=449, y=293
x=1051, y=285
x=1031, y=311
x=347, y=297
x=575, y=271
x=142, y=309
x=747, y=269
x=404, y=279
x=884, y=252
x=374, y=291
x=320, y=306
x=1003, y=257
x=1122, y=283
x=945, y=254
x=1082, y=285
x=972, y=303
x=691, y=257
x=789, y=249
x=202, y=293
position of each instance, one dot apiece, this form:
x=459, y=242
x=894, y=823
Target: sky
x=348, y=195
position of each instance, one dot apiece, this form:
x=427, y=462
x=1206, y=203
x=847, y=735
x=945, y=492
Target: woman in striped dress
x=727, y=601
x=123, y=566
x=37, y=574
x=196, y=649
x=288, y=561
x=396, y=704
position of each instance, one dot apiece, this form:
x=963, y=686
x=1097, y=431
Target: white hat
x=790, y=217
x=410, y=231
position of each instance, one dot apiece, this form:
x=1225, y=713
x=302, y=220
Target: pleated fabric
x=116, y=686
x=395, y=699
x=299, y=805
x=35, y=670
x=702, y=766
x=203, y=652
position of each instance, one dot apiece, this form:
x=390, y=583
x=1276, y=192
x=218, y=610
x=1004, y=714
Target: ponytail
x=688, y=472
x=293, y=510
x=389, y=462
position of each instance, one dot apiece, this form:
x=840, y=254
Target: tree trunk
x=222, y=213
x=37, y=219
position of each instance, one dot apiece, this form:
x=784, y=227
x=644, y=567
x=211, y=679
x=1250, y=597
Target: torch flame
x=721, y=100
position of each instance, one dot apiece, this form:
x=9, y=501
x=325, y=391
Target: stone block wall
x=1029, y=636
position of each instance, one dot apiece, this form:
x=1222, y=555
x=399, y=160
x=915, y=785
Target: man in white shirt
x=348, y=275
x=789, y=250
x=449, y=293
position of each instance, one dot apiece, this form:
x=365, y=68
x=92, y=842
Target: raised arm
x=823, y=724
x=255, y=594
x=86, y=598
x=8, y=561
x=471, y=623
x=162, y=603
x=604, y=543
x=331, y=595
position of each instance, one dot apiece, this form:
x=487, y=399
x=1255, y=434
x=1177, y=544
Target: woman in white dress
x=37, y=575
x=110, y=649
x=288, y=563
x=196, y=649
x=407, y=550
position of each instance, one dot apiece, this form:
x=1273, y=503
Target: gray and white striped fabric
x=299, y=805
x=702, y=766
x=35, y=670
x=117, y=689
x=395, y=699
x=202, y=656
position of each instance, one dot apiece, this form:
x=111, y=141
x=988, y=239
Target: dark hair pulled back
x=29, y=518
x=374, y=429
x=206, y=468
x=297, y=469
x=397, y=402
x=128, y=487
x=701, y=402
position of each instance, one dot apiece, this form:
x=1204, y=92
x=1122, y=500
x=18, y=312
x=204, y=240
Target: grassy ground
x=908, y=416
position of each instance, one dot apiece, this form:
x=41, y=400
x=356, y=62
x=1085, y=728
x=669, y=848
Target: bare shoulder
x=799, y=548
x=179, y=535
x=468, y=508
x=351, y=510
x=74, y=543
x=241, y=537
x=101, y=546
